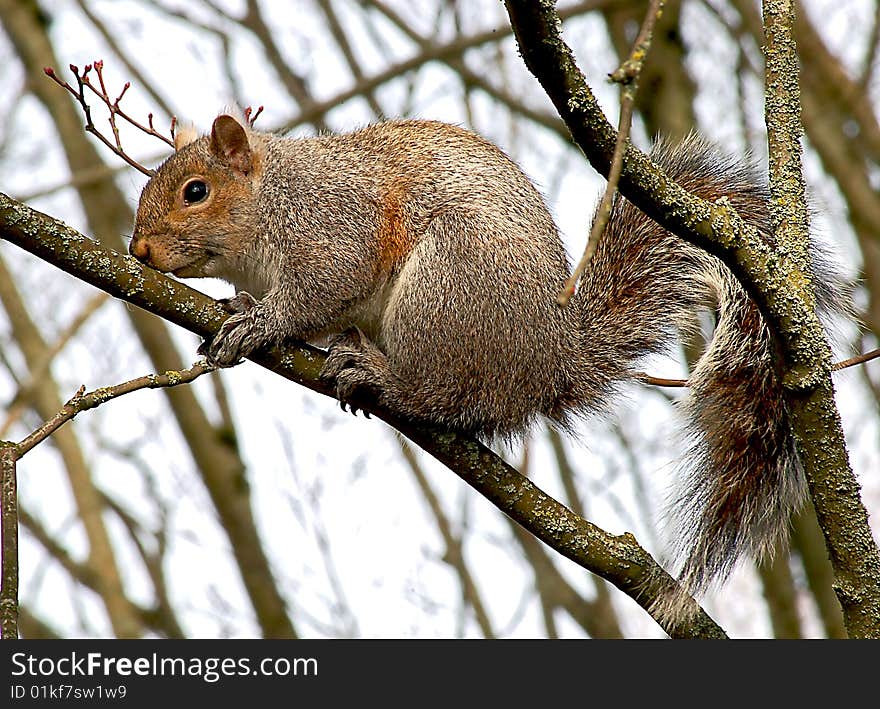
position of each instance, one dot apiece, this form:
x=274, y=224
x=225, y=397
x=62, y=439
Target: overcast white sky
x=316, y=472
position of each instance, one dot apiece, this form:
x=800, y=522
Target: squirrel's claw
x=241, y=302
x=350, y=407
x=239, y=335
x=357, y=367
x=206, y=350
x=354, y=409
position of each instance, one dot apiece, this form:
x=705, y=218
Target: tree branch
x=618, y=559
x=9, y=533
x=780, y=286
x=810, y=396
x=83, y=401
x=627, y=75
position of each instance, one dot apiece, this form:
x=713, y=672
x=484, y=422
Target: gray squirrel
x=433, y=264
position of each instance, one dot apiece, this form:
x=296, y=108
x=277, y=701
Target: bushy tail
x=642, y=289
x=744, y=478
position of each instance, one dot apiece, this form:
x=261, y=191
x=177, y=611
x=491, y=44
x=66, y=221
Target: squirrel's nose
x=139, y=248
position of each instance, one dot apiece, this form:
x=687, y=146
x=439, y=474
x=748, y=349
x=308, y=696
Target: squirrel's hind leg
x=359, y=370
x=468, y=335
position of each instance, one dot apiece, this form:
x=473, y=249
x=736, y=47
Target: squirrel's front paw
x=241, y=302
x=238, y=336
x=358, y=368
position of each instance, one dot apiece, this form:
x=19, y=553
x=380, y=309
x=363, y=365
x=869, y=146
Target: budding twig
x=256, y=114
x=83, y=82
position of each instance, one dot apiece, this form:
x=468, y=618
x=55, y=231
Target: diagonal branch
x=619, y=559
x=780, y=286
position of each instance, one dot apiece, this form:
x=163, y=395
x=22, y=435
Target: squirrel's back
x=405, y=173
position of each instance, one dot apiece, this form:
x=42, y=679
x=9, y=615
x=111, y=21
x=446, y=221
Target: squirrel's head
x=193, y=214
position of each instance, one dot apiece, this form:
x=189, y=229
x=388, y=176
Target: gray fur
x=439, y=261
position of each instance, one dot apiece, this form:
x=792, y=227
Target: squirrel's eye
x=195, y=191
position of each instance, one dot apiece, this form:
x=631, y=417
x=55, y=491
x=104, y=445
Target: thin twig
x=660, y=381
x=836, y=367
x=10, y=453
x=342, y=42
x=81, y=572
x=9, y=527
x=858, y=359
x=82, y=401
x=84, y=82
x=627, y=75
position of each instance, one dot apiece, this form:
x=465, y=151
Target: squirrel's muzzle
x=139, y=247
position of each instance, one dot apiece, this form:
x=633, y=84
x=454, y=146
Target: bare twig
x=81, y=572
x=660, y=381
x=858, y=359
x=627, y=75
x=472, y=79
x=9, y=527
x=83, y=401
x=836, y=367
x=10, y=453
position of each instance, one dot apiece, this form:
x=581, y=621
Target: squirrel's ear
x=229, y=142
x=185, y=135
